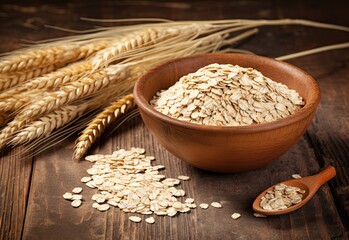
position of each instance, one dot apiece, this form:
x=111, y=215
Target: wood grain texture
x=51, y=216
x=15, y=178
x=31, y=203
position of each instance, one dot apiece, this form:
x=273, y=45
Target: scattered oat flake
x=171, y=212
x=91, y=184
x=76, y=203
x=113, y=203
x=236, y=216
x=77, y=190
x=193, y=205
x=135, y=219
x=86, y=179
x=216, y=204
x=68, y=196
x=150, y=220
x=95, y=205
x=76, y=197
x=93, y=158
x=100, y=199
x=189, y=200
x=184, y=178
x=296, y=176
x=103, y=207
x=259, y=215
x=203, y=205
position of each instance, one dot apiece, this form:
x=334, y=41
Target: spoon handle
x=328, y=173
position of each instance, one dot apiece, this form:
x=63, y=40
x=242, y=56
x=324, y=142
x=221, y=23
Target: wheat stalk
x=143, y=38
x=45, y=125
x=127, y=43
x=97, y=126
x=10, y=129
x=72, y=91
x=50, y=55
x=70, y=73
x=16, y=78
x=18, y=101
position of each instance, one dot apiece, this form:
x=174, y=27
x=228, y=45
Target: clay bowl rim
x=304, y=112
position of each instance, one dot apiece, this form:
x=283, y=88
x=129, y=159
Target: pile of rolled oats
x=227, y=95
x=127, y=180
x=281, y=197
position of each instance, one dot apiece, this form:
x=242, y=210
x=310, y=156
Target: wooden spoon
x=310, y=184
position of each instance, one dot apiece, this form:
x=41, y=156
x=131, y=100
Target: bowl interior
x=165, y=75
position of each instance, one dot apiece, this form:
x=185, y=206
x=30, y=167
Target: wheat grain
x=48, y=123
x=13, y=79
x=88, y=49
x=100, y=122
x=50, y=55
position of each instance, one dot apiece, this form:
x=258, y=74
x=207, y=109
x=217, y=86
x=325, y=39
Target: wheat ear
x=13, y=79
x=50, y=55
x=18, y=101
x=97, y=126
x=45, y=125
x=10, y=129
x=70, y=73
x=72, y=91
x=143, y=38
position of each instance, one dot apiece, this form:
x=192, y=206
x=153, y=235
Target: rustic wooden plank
x=14, y=188
x=329, y=133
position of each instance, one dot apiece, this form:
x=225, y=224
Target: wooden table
x=31, y=203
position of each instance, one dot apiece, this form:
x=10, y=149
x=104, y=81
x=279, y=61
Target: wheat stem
x=100, y=122
x=314, y=51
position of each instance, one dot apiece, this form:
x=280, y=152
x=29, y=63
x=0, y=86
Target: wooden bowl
x=226, y=149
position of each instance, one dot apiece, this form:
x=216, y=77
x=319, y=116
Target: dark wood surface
x=31, y=203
